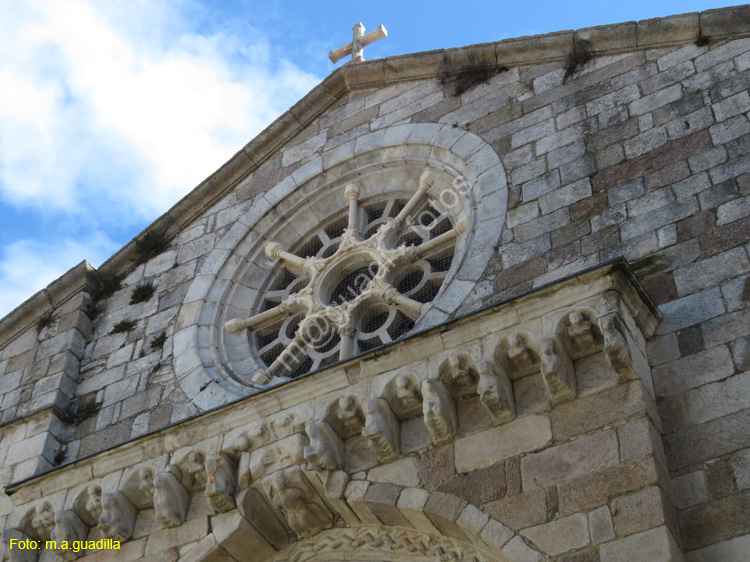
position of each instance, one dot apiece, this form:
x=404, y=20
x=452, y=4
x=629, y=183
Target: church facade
x=488, y=303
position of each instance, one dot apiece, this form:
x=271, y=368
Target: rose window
x=359, y=281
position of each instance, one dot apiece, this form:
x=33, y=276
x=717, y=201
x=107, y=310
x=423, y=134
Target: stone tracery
x=344, y=291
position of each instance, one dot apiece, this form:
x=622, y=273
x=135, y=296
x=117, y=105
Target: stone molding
x=58, y=292
x=288, y=484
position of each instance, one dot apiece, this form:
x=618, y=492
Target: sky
x=110, y=112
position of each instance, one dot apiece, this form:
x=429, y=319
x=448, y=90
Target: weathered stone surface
x=589, y=491
x=518, y=551
x=695, y=370
x=732, y=550
x=472, y=521
x=239, y=538
x=521, y=510
x=714, y=521
x=563, y=462
x=638, y=438
x=437, y=465
x=719, y=398
x=404, y=472
x=689, y=489
x=496, y=444
x=711, y=271
x=726, y=328
x=444, y=510
x=639, y=511
x=472, y=416
x=177, y=536
x=600, y=525
x=382, y=499
x=411, y=503
x=480, y=486
x=598, y=410
x=560, y=536
x=720, y=480
x=414, y=435
x=707, y=441
x=588, y=555
x=656, y=545
x=496, y=534
x=207, y=549
x=690, y=310
x=741, y=469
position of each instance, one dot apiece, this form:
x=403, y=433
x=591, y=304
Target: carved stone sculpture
x=408, y=394
x=238, y=445
x=520, y=354
x=458, y=374
x=286, y=424
x=139, y=487
x=439, y=411
x=275, y=456
x=171, y=498
x=326, y=450
x=93, y=505
x=381, y=543
x=295, y=498
x=495, y=391
x=221, y=483
x=581, y=333
x=118, y=517
x=557, y=370
x=616, y=347
x=43, y=520
x=70, y=528
x=193, y=470
x=382, y=430
x=350, y=416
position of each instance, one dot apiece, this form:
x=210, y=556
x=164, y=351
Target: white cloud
x=84, y=85
x=110, y=112
x=27, y=265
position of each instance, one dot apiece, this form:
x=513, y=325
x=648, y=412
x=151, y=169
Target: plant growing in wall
x=124, y=326
x=578, y=56
x=86, y=410
x=142, y=292
x=60, y=455
x=92, y=310
x=151, y=244
x=45, y=321
x=107, y=285
x=159, y=341
x=463, y=77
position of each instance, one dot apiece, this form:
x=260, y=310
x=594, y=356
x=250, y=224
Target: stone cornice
x=638, y=318
x=290, y=461
x=48, y=299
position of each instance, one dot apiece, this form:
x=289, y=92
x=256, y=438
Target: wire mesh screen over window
x=360, y=281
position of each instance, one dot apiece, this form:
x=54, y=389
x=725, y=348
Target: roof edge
x=48, y=299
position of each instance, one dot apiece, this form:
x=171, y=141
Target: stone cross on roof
x=360, y=40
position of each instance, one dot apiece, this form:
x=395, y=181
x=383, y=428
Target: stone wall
x=569, y=465
x=640, y=153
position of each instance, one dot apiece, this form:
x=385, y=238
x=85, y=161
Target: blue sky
x=112, y=111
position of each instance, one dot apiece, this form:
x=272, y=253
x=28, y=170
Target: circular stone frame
x=212, y=366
